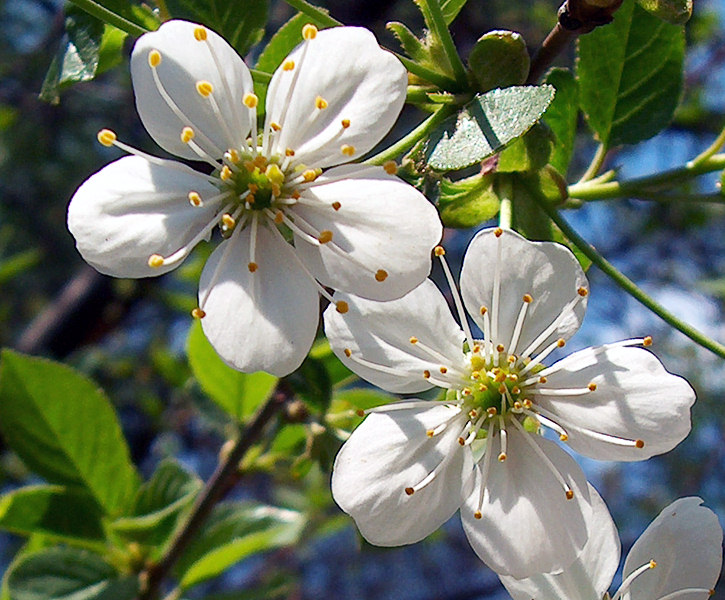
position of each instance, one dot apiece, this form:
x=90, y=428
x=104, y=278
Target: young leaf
x=630, y=75
x=237, y=393
x=60, y=513
x=451, y=8
x=499, y=59
x=240, y=22
x=486, y=125
x=561, y=116
x=467, y=202
x=677, y=12
x=56, y=573
x=64, y=428
x=530, y=152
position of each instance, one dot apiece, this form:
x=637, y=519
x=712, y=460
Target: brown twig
x=575, y=17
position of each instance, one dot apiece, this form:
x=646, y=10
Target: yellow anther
x=279, y=217
x=253, y=188
x=413, y=340
x=275, y=126
x=491, y=411
x=345, y=123
x=473, y=413
x=154, y=59
x=252, y=266
x=527, y=403
x=582, y=292
x=443, y=370
x=342, y=307
x=497, y=232
x=325, y=236
x=475, y=375
x=461, y=441
x=200, y=34
x=652, y=564
x=592, y=386
x=204, y=88
x=482, y=387
x=528, y=299
x=511, y=360
x=502, y=389
x=274, y=174
x=348, y=352
x=500, y=377
x=516, y=390
x=430, y=433
x=381, y=275
x=106, y=137
x=518, y=405
x=187, y=134
x=309, y=175
x=502, y=457
x=296, y=195
x=250, y=100
x=476, y=348
x=197, y=313
x=647, y=341
x=250, y=199
x=466, y=391
x=439, y=251
x=232, y=156
x=639, y=444
x=228, y=221
x=563, y=437
x=309, y=32
x=289, y=152
x=225, y=173
x=276, y=190
x=336, y=205
x=426, y=374
x=347, y=149
x=500, y=348
x=569, y=494
x=195, y=199
x=561, y=342
x=391, y=167
x=320, y=103
x=477, y=515
x=249, y=166
x=543, y=379
x=360, y=412
x=288, y=65
x=156, y=261
x=260, y=161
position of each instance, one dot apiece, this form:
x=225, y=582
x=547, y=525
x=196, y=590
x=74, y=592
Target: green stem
x=442, y=81
x=595, y=165
x=506, y=208
x=628, y=285
x=110, y=17
x=590, y=190
x=261, y=76
x=710, y=151
x=314, y=12
x=436, y=21
x=414, y=136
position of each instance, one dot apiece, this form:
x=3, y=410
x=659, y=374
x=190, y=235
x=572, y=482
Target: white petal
x=391, y=451
x=382, y=223
x=528, y=526
x=261, y=321
x=359, y=81
x=134, y=208
x=380, y=332
x=547, y=271
x=591, y=573
x=635, y=399
x=184, y=62
x=685, y=541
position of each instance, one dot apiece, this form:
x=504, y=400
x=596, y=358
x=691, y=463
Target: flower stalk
x=101, y=12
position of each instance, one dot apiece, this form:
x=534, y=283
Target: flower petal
x=635, y=399
x=185, y=62
x=591, y=573
x=528, y=526
x=380, y=332
x=547, y=271
x=364, y=85
x=390, y=452
x=382, y=224
x=133, y=208
x=685, y=541
x=261, y=321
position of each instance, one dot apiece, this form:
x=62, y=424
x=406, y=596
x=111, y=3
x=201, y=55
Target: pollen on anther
x=561, y=342
x=461, y=441
x=228, y=221
x=309, y=175
x=320, y=103
x=491, y=411
x=348, y=352
x=390, y=167
x=502, y=457
x=528, y=299
x=639, y=444
x=500, y=348
x=252, y=266
x=483, y=310
x=309, y=32
x=430, y=433
x=647, y=341
x=497, y=232
x=197, y=313
x=154, y=59
x=345, y=124
x=250, y=100
x=156, y=261
x=592, y=386
x=482, y=387
x=511, y=360
x=410, y=491
x=502, y=389
x=347, y=149
x=360, y=412
x=199, y=34
x=582, y=292
x=288, y=65
x=477, y=515
x=204, y=88
x=342, y=307
x=195, y=199
x=426, y=374
x=443, y=370
x=279, y=217
x=381, y=275
x=563, y=437
x=106, y=137
x=187, y=134
x=543, y=379
x=232, y=155
x=569, y=494
x=336, y=205
x=413, y=340
x=439, y=251
x=226, y=173
x=296, y=195
x=289, y=152
x=275, y=126
x=652, y=564
x=325, y=236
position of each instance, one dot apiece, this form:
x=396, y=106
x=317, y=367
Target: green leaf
x=337, y=372
x=55, y=511
x=234, y=532
x=561, y=116
x=486, y=125
x=312, y=383
x=530, y=152
x=17, y=264
x=630, y=75
x=362, y=398
x=110, y=54
x=158, y=503
x=64, y=428
x=239, y=394
x=677, y=12
x=499, y=59
x=239, y=22
x=451, y=8
x=68, y=573
x=411, y=44
x=467, y=202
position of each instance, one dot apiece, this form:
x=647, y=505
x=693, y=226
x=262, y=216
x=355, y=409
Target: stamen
x=546, y=422
x=252, y=266
x=381, y=275
x=439, y=251
x=347, y=150
x=309, y=32
x=250, y=100
x=197, y=313
x=345, y=124
x=496, y=294
x=404, y=405
x=560, y=343
x=195, y=199
x=200, y=34
x=561, y=391
x=488, y=342
x=391, y=167
x=288, y=65
x=687, y=592
x=435, y=355
x=485, y=470
x=552, y=327
x=336, y=205
x=325, y=236
x=632, y=576
x=320, y=103
x=519, y=323
x=154, y=58
x=204, y=88
x=106, y=137
x=342, y=307
x=504, y=439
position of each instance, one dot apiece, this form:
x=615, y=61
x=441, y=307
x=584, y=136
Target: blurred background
x=130, y=335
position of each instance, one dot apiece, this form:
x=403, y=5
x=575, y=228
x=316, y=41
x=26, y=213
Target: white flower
x=524, y=501
x=677, y=557
x=354, y=227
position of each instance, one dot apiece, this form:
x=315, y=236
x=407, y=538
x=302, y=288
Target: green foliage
x=630, y=75
x=451, y=8
x=12, y=266
x=486, y=125
x=64, y=428
x=499, y=59
x=530, y=152
x=68, y=573
x=68, y=515
x=240, y=22
x=677, y=12
x=468, y=202
x=561, y=116
x=239, y=394
x=312, y=382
